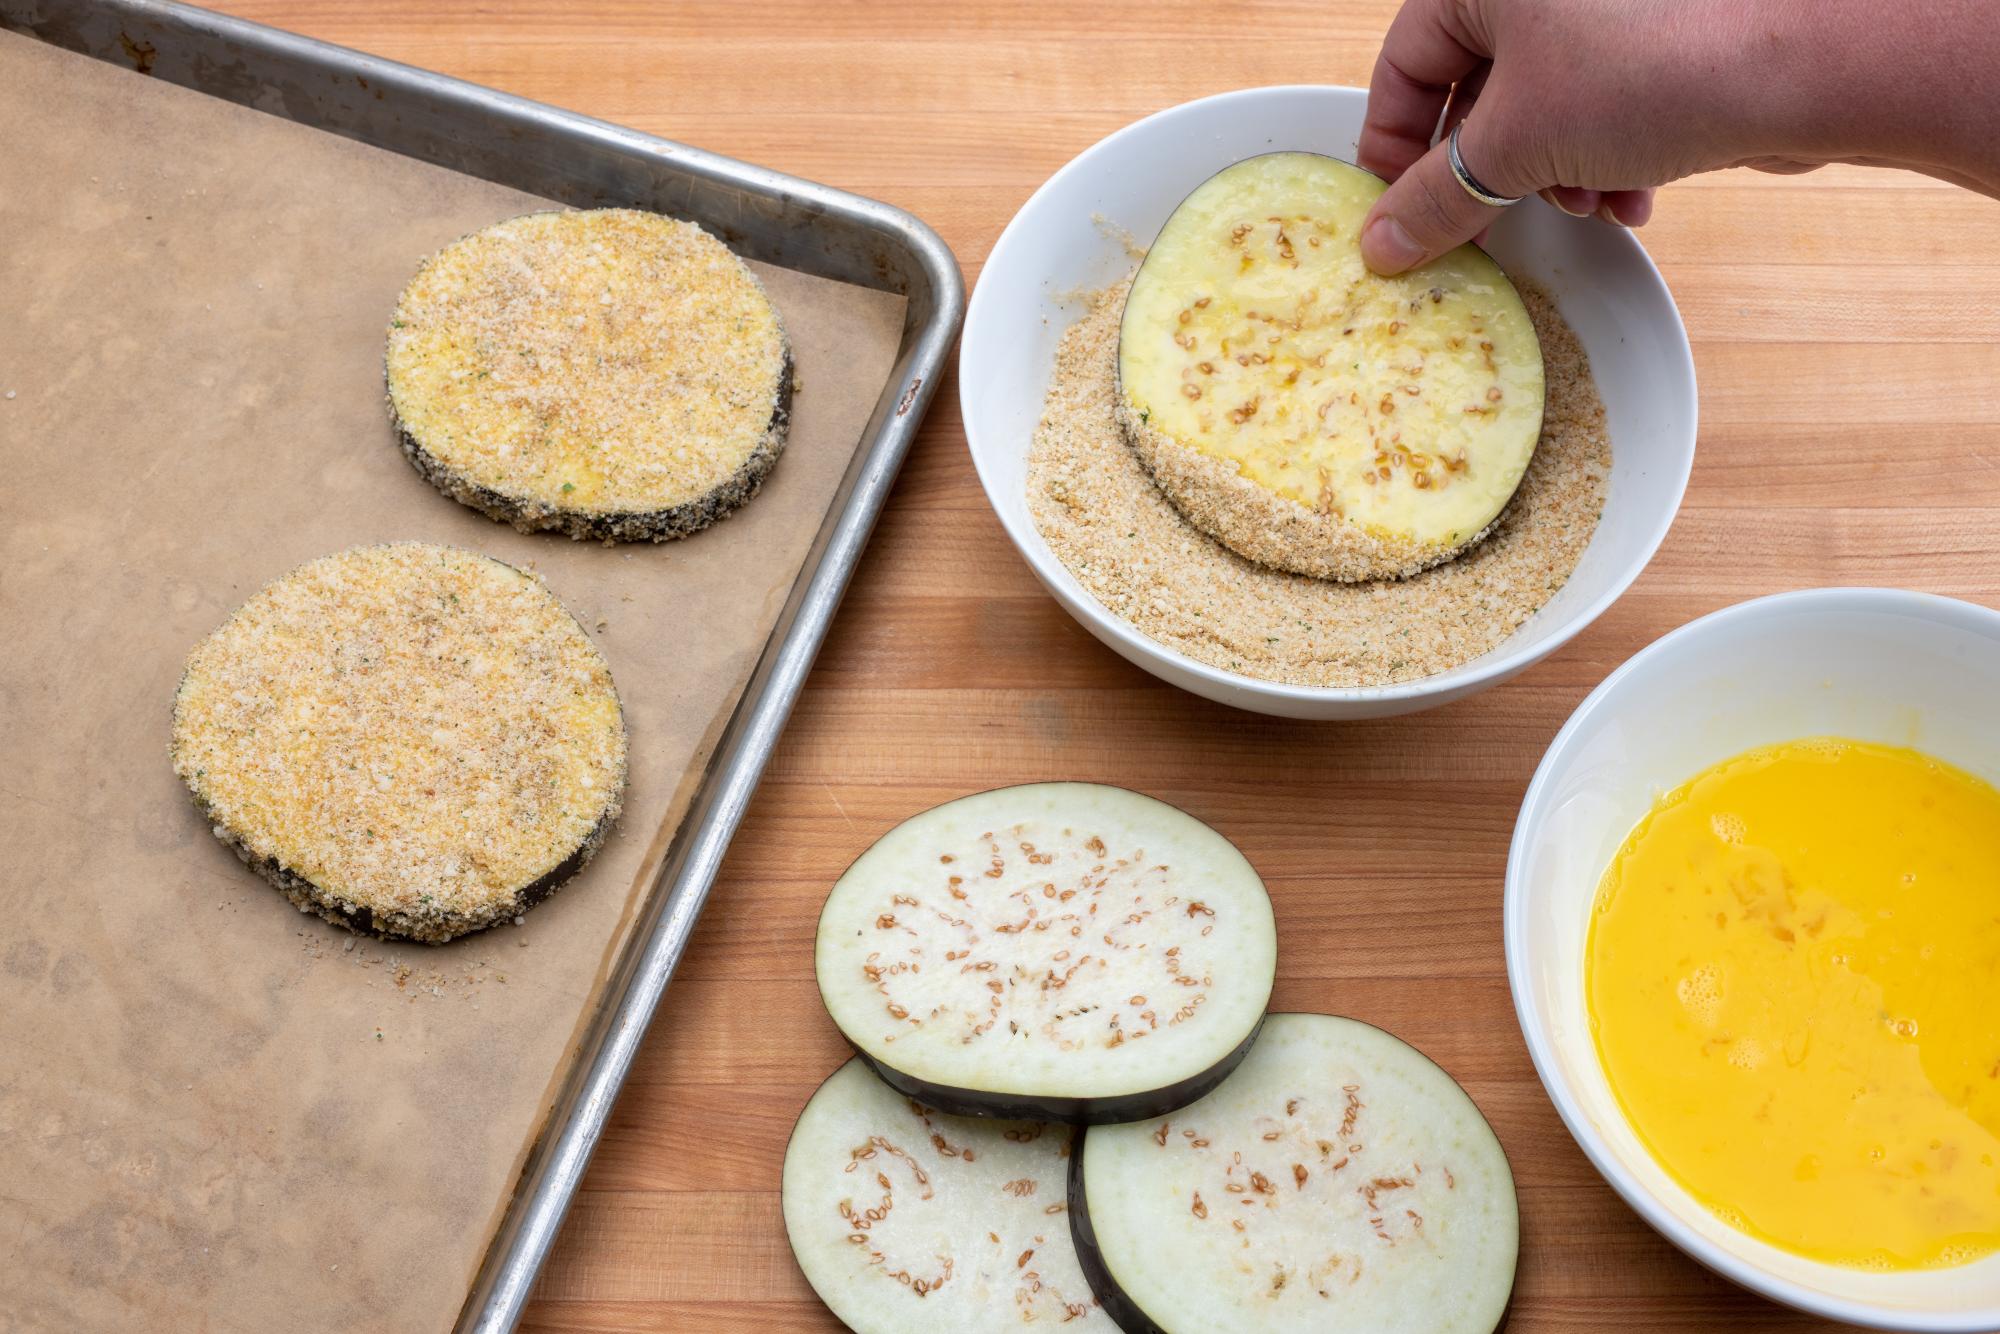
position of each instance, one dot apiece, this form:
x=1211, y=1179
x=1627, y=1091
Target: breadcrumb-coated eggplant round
x=410, y=740
x=613, y=374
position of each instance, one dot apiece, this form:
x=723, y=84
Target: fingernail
x=1636, y=211
x=1388, y=247
x=1586, y=201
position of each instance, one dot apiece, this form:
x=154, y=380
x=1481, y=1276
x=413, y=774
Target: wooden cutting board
x=1846, y=327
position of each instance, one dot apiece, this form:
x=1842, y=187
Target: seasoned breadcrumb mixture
x=418, y=731
x=609, y=361
x=1109, y=524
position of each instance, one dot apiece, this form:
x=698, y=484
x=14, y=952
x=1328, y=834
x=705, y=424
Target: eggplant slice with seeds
x=908, y=1221
x=1307, y=413
x=1337, y=1180
x=1059, y=951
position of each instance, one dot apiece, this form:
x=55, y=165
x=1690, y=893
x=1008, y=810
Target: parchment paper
x=216, y=1113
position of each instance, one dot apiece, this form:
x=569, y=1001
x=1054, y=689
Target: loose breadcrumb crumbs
x=1109, y=524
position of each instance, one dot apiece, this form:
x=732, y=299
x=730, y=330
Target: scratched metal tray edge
x=585, y=162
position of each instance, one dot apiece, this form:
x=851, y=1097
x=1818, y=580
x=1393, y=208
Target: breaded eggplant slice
x=1055, y=951
x=1311, y=415
x=908, y=1221
x=614, y=374
x=1338, y=1180
x=412, y=741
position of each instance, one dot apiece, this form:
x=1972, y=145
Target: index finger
x=1429, y=47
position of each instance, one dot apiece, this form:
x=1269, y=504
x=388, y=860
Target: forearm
x=1910, y=85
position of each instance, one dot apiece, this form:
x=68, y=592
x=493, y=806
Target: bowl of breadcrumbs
x=1038, y=386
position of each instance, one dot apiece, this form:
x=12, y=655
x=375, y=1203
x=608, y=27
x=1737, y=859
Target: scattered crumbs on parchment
x=460, y=978
x=1105, y=520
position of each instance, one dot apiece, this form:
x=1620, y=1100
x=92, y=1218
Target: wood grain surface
x=1844, y=325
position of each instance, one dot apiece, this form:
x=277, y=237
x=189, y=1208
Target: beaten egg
x=1793, y=978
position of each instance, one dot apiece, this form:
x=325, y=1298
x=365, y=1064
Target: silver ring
x=1469, y=182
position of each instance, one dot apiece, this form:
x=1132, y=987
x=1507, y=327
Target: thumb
x=1426, y=212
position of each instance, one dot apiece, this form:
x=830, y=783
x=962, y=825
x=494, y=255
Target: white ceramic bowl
x=1056, y=246
x=1875, y=664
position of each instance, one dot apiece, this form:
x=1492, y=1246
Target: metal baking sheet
x=585, y=163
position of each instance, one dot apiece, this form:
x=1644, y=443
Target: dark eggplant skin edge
x=1124, y=1312
x=1142, y=1105
x=365, y=921
x=958, y=1101
x=1132, y=1319
x=308, y=896
x=665, y=525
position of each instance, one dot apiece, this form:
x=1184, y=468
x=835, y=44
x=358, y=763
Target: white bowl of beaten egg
x=1192, y=613
x=1753, y=936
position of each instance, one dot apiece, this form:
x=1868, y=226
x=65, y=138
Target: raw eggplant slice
x=1337, y=1181
x=1061, y=951
x=908, y=1221
x=1307, y=413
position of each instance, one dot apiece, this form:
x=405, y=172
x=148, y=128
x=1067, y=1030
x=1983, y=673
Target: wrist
x=1846, y=80
x=1781, y=64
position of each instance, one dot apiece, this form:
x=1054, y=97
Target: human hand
x=1593, y=103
